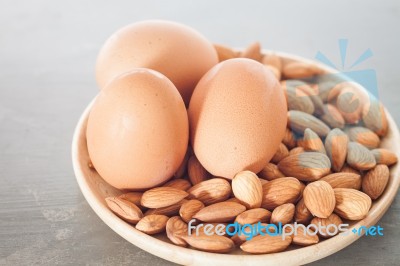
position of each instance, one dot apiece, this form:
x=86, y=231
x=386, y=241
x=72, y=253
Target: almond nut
x=211, y=191
x=351, y=204
x=247, y=188
x=162, y=197
x=375, y=181
x=319, y=198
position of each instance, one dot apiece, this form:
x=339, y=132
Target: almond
x=176, y=229
x=169, y=210
x=181, y=184
x=304, y=238
x=351, y=204
x=375, y=181
x=152, y=224
x=254, y=216
x=133, y=197
x=239, y=239
x=248, y=189
x=298, y=121
x=211, y=191
x=283, y=214
x=296, y=99
x=332, y=117
x=289, y=139
x=270, y=172
x=280, y=191
x=225, y=52
x=264, y=244
x=328, y=226
x=302, y=214
x=220, y=212
x=343, y=180
x=347, y=169
x=190, y=208
x=253, y=51
x=384, y=156
x=349, y=102
x=306, y=166
x=162, y=197
x=299, y=70
x=364, y=136
x=311, y=142
x=196, y=171
x=211, y=243
x=281, y=153
x=296, y=150
x=336, y=144
x=319, y=198
x=374, y=117
x=359, y=157
x=125, y=209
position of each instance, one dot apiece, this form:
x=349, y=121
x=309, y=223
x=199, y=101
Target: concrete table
x=47, y=56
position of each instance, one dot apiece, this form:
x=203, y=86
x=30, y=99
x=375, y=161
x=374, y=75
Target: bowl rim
x=187, y=256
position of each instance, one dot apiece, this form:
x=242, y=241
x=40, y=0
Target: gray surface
x=47, y=55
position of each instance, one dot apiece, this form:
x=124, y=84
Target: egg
x=237, y=117
x=137, y=130
x=175, y=50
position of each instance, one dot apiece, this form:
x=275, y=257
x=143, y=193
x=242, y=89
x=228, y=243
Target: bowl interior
x=95, y=190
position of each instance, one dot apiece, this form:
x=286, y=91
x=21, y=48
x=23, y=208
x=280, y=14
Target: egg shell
x=137, y=132
x=177, y=51
x=237, y=117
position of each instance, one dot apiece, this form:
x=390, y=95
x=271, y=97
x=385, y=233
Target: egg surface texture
x=237, y=117
x=177, y=51
x=137, y=132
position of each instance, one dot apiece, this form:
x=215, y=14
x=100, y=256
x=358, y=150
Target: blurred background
x=48, y=51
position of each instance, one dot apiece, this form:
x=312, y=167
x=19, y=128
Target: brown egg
x=237, y=117
x=137, y=132
x=175, y=50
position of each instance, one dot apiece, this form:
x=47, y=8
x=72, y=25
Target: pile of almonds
x=327, y=170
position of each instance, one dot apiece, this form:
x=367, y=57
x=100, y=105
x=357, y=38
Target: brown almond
x=311, y=142
x=280, y=191
x=374, y=117
x=254, y=216
x=351, y=204
x=169, y=210
x=307, y=166
x=328, y=226
x=302, y=214
x=375, y=181
x=211, y=243
x=220, y=212
x=270, y=172
x=125, y=209
x=253, y=51
x=364, y=136
x=272, y=59
x=281, y=153
x=332, y=117
x=133, y=197
x=264, y=244
x=211, y=191
x=283, y=214
x=384, y=156
x=190, y=208
x=359, y=157
x=162, y=197
x=225, y=52
x=152, y=224
x=248, y=189
x=349, y=102
x=176, y=229
x=196, y=171
x=298, y=121
x=296, y=150
x=319, y=198
x=304, y=238
x=181, y=184
x=312, y=92
x=336, y=144
x=343, y=180
x=296, y=99
x=299, y=70
x=289, y=139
